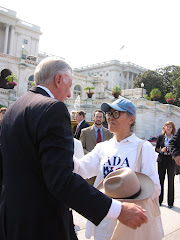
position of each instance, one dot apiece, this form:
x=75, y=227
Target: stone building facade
x=19, y=55
x=114, y=73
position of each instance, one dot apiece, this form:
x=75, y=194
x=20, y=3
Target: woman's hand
x=164, y=149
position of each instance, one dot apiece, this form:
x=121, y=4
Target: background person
x=78, y=149
x=38, y=183
x=89, y=135
x=94, y=134
x=175, y=147
x=120, y=151
x=2, y=112
x=80, y=118
x=165, y=161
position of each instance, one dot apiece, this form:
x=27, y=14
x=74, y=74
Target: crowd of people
x=108, y=175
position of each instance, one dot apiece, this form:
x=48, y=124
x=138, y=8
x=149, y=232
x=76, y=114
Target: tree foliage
x=151, y=80
x=166, y=79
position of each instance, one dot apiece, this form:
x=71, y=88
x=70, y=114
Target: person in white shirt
x=118, y=152
x=78, y=149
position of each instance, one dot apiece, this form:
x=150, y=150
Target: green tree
x=171, y=81
x=177, y=91
x=151, y=79
x=166, y=79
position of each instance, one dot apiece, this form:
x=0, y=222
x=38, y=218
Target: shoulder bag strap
x=139, y=157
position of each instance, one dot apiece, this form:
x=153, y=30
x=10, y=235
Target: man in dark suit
x=37, y=150
x=79, y=116
x=2, y=112
x=174, y=145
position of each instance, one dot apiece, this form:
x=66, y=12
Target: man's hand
x=132, y=215
x=177, y=160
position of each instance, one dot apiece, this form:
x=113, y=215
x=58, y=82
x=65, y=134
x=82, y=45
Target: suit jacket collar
x=81, y=122
x=39, y=90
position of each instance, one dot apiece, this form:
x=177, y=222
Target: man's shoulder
x=107, y=130
x=37, y=103
x=87, y=130
x=86, y=123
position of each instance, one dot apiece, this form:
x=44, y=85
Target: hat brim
x=147, y=188
x=105, y=107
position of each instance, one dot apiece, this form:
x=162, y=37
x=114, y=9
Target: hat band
x=133, y=196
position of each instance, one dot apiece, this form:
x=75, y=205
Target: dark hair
x=100, y=111
x=82, y=113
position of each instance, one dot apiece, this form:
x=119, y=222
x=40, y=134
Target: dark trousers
x=167, y=164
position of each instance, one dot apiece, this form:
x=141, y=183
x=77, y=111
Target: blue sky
x=92, y=31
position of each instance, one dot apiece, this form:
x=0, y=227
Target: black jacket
x=159, y=146
x=77, y=134
x=38, y=183
x=174, y=144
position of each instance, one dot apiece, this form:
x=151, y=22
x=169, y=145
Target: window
x=25, y=41
x=77, y=91
x=107, y=74
x=30, y=82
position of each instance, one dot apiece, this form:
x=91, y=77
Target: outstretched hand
x=132, y=215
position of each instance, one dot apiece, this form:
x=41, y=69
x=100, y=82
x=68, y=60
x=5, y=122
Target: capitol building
x=19, y=54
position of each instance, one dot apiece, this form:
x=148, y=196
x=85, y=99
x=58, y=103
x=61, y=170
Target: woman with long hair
x=165, y=161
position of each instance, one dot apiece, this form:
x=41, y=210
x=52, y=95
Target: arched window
x=30, y=81
x=3, y=75
x=77, y=91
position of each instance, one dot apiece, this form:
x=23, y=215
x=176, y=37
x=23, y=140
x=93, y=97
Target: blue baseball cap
x=121, y=104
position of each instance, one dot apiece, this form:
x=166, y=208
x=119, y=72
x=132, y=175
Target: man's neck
x=98, y=126
x=80, y=122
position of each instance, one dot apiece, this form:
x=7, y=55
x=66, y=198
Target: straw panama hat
x=126, y=185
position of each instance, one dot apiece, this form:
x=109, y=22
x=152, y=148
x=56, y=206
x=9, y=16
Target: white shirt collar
x=80, y=122
x=47, y=90
x=131, y=138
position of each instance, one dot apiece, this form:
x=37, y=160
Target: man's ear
x=58, y=80
x=132, y=119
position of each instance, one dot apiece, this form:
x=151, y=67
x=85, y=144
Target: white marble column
x=11, y=40
x=6, y=39
x=132, y=80
x=127, y=80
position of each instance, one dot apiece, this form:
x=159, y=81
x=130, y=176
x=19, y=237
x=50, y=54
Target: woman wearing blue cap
x=120, y=152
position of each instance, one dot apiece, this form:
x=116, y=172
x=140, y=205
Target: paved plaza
x=170, y=217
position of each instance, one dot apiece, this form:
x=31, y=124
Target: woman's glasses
x=115, y=114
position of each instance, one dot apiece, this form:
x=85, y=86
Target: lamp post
x=142, y=86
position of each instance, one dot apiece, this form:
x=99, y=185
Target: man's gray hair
x=133, y=124
x=48, y=68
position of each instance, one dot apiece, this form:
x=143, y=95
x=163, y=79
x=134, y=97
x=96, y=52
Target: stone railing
x=8, y=96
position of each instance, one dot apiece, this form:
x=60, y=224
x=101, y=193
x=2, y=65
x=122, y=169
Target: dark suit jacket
x=38, y=183
x=174, y=144
x=159, y=145
x=88, y=138
x=77, y=134
x=1, y=176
